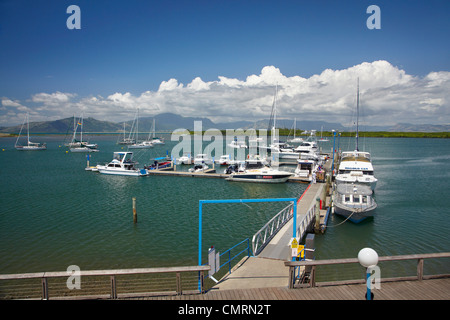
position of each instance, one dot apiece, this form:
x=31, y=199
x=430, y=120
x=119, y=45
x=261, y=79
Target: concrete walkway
x=253, y=272
x=279, y=246
x=268, y=269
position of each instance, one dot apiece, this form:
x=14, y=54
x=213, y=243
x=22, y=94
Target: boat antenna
x=357, y=116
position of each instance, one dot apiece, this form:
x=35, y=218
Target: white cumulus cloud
x=388, y=96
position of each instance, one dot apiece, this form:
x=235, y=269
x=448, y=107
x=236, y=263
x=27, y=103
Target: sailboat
x=154, y=138
x=30, y=146
x=125, y=140
x=279, y=149
x=295, y=139
x=142, y=144
x=321, y=138
x=81, y=146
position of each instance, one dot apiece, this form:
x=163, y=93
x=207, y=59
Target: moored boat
x=160, y=163
x=122, y=164
x=202, y=158
x=354, y=201
x=186, y=158
x=30, y=146
x=256, y=171
x=199, y=167
x=356, y=167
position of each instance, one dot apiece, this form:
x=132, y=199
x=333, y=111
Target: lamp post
x=368, y=258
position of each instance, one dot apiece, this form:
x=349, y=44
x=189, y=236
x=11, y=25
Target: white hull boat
x=356, y=167
x=30, y=146
x=256, y=171
x=185, y=159
x=83, y=149
x=141, y=145
x=202, y=158
x=354, y=202
x=199, y=168
x=123, y=165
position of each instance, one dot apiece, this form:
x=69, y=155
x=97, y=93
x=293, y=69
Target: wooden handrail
x=112, y=273
x=315, y=263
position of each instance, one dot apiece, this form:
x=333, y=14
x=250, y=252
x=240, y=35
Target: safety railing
x=268, y=231
x=109, y=282
x=315, y=264
x=305, y=223
x=231, y=256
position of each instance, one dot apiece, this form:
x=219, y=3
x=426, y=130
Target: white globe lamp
x=368, y=257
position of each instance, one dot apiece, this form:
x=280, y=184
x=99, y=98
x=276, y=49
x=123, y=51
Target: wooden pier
x=434, y=289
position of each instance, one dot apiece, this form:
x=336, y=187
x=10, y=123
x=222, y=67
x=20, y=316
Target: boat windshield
x=254, y=165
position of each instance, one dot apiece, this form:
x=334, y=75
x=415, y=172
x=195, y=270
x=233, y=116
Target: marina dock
x=210, y=173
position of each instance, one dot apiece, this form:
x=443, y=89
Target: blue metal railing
x=236, y=255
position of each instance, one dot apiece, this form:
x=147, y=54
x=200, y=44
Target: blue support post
x=368, y=284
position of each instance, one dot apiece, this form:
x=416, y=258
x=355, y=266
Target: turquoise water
x=55, y=214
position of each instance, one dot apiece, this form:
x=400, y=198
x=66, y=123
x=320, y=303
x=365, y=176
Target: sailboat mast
x=28, y=128
x=357, y=116
x=275, y=115
x=81, y=131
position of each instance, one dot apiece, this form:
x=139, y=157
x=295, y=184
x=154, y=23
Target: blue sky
x=132, y=47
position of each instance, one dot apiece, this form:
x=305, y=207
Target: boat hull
x=122, y=172
x=261, y=178
x=26, y=148
x=79, y=150
x=353, y=214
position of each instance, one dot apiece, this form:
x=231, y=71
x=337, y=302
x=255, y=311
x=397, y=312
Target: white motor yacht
x=237, y=144
x=202, y=158
x=122, y=164
x=257, y=171
x=356, y=167
x=306, y=166
x=185, y=159
x=354, y=201
x=200, y=167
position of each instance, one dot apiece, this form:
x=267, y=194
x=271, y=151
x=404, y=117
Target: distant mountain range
x=169, y=122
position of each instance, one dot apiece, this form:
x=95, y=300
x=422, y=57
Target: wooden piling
x=134, y=210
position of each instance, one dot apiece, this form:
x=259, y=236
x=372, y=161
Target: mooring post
x=134, y=210
x=317, y=210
